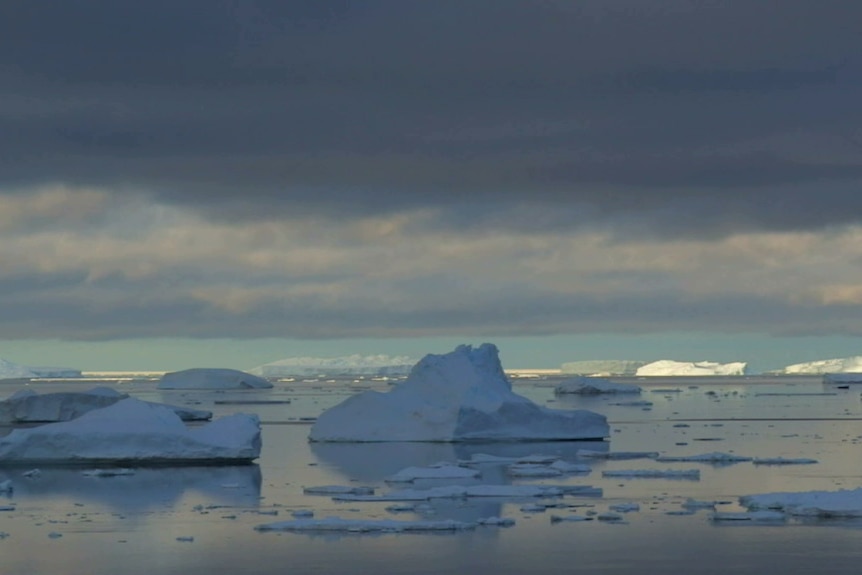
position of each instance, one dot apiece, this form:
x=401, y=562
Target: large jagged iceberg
x=133, y=432
x=27, y=406
x=212, y=378
x=459, y=396
x=372, y=365
x=666, y=367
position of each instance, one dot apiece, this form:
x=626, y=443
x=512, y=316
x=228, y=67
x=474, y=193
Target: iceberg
x=212, y=378
x=823, y=366
x=373, y=365
x=27, y=406
x=9, y=370
x=134, y=432
x=668, y=367
x=459, y=396
x=594, y=386
x=56, y=372
x=602, y=367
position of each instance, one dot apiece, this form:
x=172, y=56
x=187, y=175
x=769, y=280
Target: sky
x=216, y=182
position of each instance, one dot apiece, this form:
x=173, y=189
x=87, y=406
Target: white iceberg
x=460, y=396
x=212, y=378
x=370, y=365
x=667, y=367
x=825, y=504
x=602, y=367
x=27, y=406
x=134, y=432
x=836, y=365
x=9, y=370
x=55, y=372
x=594, y=386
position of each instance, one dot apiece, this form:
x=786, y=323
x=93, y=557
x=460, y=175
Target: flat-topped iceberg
x=666, y=367
x=212, y=378
x=602, y=367
x=821, y=366
x=459, y=396
x=594, y=386
x=373, y=365
x=9, y=370
x=134, y=432
x=27, y=406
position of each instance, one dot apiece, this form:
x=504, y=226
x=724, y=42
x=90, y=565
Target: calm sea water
x=201, y=520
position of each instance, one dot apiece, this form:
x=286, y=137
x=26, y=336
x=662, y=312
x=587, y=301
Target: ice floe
x=784, y=461
x=753, y=516
x=841, y=503
x=711, y=457
x=134, y=431
x=653, y=473
x=437, y=471
x=27, y=406
x=339, y=524
x=212, y=378
x=338, y=490
x=617, y=455
x=460, y=396
x=477, y=491
x=594, y=386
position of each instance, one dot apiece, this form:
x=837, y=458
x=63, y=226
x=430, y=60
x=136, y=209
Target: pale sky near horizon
x=207, y=181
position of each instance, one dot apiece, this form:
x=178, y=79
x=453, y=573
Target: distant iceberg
x=667, y=367
x=822, y=366
x=602, y=367
x=55, y=372
x=133, y=432
x=459, y=396
x=369, y=365
x=9, y=370
x=212, y=378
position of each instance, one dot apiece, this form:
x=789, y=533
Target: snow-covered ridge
x=375, y=365
x=666, y=367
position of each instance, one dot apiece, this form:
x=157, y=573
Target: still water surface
x=200, y=520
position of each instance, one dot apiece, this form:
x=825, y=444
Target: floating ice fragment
x=616, y=455
x=625, y=507
x=339, y=524
x=497, y=521
x=712, y=457
x=438, y=471
x=594, y=386
x=654, y=473
x=783, y=461
x=338, y=490
x=749, y=516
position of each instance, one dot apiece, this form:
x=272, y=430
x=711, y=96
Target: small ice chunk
x=186, y=539
x=108, y=472
x=532, y=470
x=783, y=461
x=32, y=473
x=570, y=518
x=6, y=486
x=749, y=516
x=567, y=467
x=695, y=504
x=826, y=504
x=338, y=490
x=302, y=513
x=497, y=521
x=616, y=455
x=712, y=457
x=437, y=471
x=594, y=386
x=625, y=507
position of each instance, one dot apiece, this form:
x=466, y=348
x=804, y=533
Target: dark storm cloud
x=691, y=117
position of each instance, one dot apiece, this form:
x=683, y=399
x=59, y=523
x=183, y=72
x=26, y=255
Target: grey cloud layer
x=682, y=117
